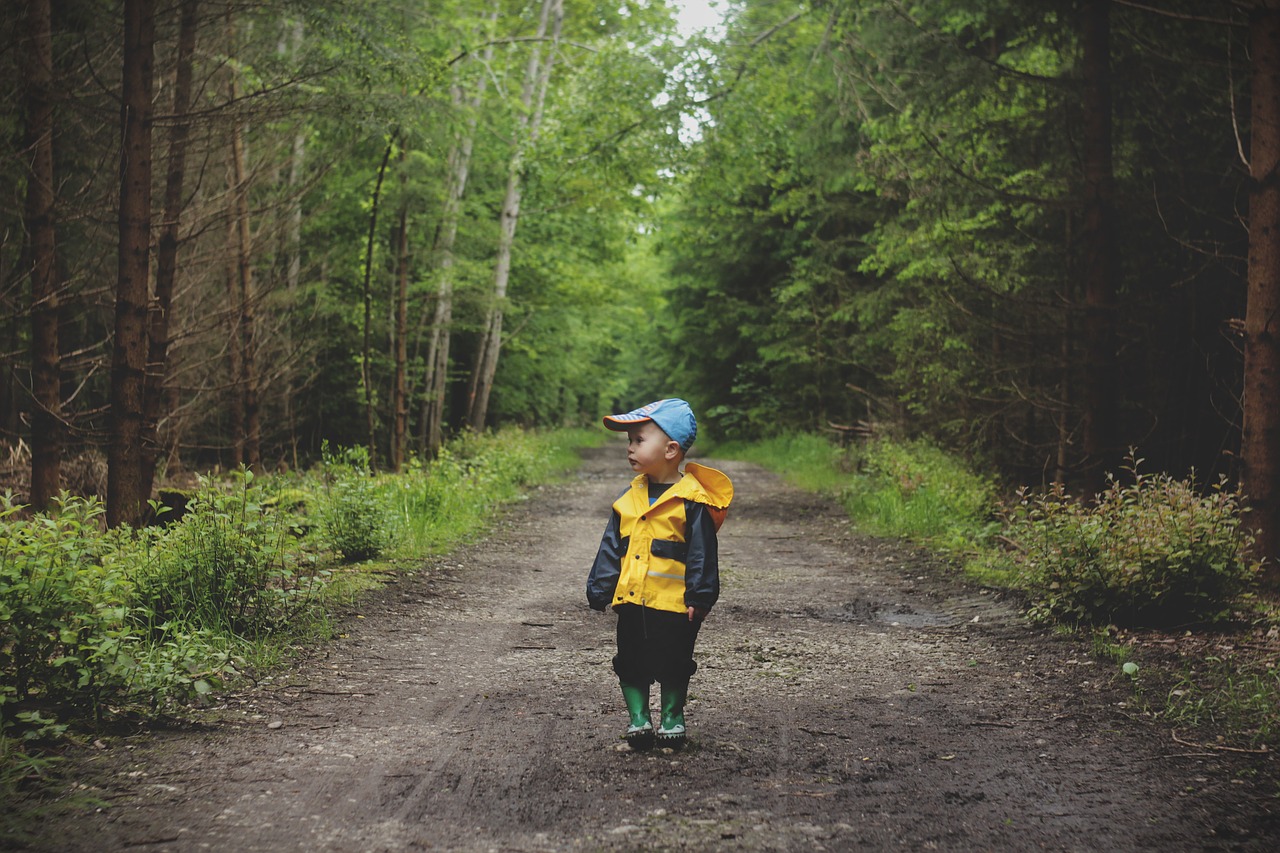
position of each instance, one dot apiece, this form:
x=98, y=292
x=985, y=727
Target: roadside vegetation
x=1154, y=573
x=100, y=627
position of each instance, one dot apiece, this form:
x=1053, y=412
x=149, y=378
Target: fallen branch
x=1260, y=751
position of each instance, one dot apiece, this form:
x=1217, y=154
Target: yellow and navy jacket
x=661, y=552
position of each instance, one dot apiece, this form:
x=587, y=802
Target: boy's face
x=650, y=451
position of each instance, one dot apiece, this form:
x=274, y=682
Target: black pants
x=654, y=645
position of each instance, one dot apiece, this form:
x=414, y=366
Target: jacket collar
x=699, y=483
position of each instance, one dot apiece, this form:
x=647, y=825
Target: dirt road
x=848, y=698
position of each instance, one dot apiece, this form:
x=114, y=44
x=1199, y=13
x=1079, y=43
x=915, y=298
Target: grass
x=908, y=490
x=808, y=461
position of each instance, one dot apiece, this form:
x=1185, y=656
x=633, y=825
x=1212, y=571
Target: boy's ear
x=673, y=449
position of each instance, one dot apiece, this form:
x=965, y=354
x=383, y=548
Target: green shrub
x=62, y=612
x=452, y=497
x=229, y=566
x=353, y=514
x=77, y=628
x=1154, y=552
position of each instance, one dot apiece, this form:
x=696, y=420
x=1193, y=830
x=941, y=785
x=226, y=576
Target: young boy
x=657, y=565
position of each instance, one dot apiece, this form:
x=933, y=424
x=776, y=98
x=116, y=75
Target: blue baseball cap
x=673, y=416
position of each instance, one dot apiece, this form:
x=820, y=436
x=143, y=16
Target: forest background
x=335, y=241
x=1038, y=234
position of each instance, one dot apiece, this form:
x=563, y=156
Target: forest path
x=847, y=699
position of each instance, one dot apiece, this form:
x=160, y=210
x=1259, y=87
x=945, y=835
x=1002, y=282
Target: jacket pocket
x=668, y=550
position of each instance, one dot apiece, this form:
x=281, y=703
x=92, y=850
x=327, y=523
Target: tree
x=125, y=500
x=458, y=165
x=1260, y=442
x=161, y=305
x=537, y=79
x=40, y=259
x=400, y=333
x=1101, y=445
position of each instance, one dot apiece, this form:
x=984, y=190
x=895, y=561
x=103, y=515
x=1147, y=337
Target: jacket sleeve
x=702, y=565
x=603, y=579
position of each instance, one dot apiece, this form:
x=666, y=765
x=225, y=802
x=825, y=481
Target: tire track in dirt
x=848, y=698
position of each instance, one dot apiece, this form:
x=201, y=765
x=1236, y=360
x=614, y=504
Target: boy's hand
x=697, y=614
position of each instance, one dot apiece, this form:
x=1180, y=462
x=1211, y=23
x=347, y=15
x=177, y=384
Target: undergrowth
x=96, y=622
x=1151, y=551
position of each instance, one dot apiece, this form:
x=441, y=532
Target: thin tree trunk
x=158, y=323
x=366, y=368
x=400, y=345
x=41, y=261
x=1066, y=344
x=293, y=271
x=1101, y=391
x=437, y=378
x=1260, y=439
x=537, y=79
x=8, y=358
x=245, y=297
x=125, y=500
x=235, y=398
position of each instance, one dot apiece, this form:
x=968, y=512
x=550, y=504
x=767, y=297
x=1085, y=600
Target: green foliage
x=883, y=221
x=912, y=490
x=810, y=461
x=453, y=497
x=1218, y=695
x=79, y=624
x=63, y=627
x=228, y=566
x=1153, y=551
x=353, y=515
x=917, y=491
x=142, y=618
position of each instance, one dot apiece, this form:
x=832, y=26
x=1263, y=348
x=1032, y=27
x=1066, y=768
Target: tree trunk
x=8, y=359
x=537, y=79
x=235, y=398
x=1260, y=438
x=293, y=248
x=40, y=261
x=400, y=346
x=158, y=328
x=1101, y=391
x=366, y=351
x=459, y=164
x=125, y=499
x=245, y=297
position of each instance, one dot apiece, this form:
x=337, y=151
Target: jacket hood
x=716, y=488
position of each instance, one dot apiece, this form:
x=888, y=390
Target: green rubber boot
x=671, y=732
x=640, y=733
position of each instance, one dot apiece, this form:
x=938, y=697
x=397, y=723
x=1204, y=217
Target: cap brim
x=619, y=423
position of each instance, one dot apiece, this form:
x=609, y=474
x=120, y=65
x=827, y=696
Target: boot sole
x=640, y=741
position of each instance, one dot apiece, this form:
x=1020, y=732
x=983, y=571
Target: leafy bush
x=72, y=630
x=62, y=612
x=227, y=566
x=1154, y=552
x=91, y=619
x=353, y=514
